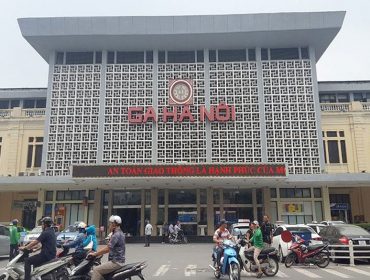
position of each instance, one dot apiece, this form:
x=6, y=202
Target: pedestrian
x=148, y=233
x=165, y=232
x=14, y=239
x=267, y=229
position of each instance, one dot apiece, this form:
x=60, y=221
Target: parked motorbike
x=82, y=271
x=268, y=259
x=178, y=238
x=302, y=254
x=53, y=270
x=229, y=264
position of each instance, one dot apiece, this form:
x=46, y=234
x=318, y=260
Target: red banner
x=184, y=170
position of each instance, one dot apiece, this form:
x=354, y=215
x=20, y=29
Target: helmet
x=47, y=221
x=81, y=225
x=304, y=248
x=15, y=222
x=115, y=219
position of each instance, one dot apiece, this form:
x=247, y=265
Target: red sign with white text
x=174, y=170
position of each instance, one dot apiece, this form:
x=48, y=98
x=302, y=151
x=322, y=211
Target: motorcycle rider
x=116, y=249
x=219, y=236
x=257, y=242
x=79, y=253
x=91, y=237
x=48, y=251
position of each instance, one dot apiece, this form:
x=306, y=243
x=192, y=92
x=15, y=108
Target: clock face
x=180, y=92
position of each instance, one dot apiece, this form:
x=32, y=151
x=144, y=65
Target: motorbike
x=229, y=264
x=268, y=259
x=302, y=254
x=178, y=238
x=52, y=270
x=82, y=271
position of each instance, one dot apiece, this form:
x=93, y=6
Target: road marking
x=307, y=273
x=162, y=270
x=339, y=274
x=190, y=270
x=359, y=271
x=282, y=275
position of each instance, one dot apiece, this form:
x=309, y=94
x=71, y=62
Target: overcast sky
x=347, y=58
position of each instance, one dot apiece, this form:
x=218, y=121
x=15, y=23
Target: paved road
x=191, y=261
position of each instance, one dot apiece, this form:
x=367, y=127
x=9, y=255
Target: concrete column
x=222, y=214
x=254, y=202
x=142, y=213
x=326, y=203
x=154, y=209
x=86, y=207
x=40, y=210
x=267, y=201
x=166, y=206
x=198, y=210
x=210, y=213
x=110, y=205
x=97, y=208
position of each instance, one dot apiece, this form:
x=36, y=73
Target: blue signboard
x=339, y=206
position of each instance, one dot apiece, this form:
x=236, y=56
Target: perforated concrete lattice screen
x=127, y=85
x=291, y=128
x=288, y=107
x=184, y=141
x=239, y=141
x=73, y=122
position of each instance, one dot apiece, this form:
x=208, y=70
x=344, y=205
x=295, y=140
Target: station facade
x=190, y=118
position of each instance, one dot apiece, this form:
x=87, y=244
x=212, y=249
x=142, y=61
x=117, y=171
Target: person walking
x=14, y=239
x=165, y=232
x=148, y=233
x=267, y=229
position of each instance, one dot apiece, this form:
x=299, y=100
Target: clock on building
x=181, y=92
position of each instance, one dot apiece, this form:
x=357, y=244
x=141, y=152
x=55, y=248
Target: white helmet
x=115, y=219
x=82, y=225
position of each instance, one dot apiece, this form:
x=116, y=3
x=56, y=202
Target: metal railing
x=33, y=112
x=352, y=254
x=335, y=107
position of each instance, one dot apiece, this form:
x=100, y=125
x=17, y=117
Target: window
x=91, y=195
x=149, y=57
x=304, y=53
x=273, y=193
x=264, y=54
x=182, y=197
x=317, y=192
x=110, y=57
x=334, y=147
x=14, y=103
x=231, y=55
x=4, y=104
x=284, y=53
x=162, y=57
x=59, y=58
x=28, y=103
x=328, y=98
x=98, y=57
x=130, y=57
x=181, y=57
x=212, y=56
x=34, y=155
x=79, y=58
x=49, y=196
x=71, y=195
x=41, y=103
x=200, y=56
x=240, y=196
x=342, y=97
x=251, y=54
x=295, y=193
